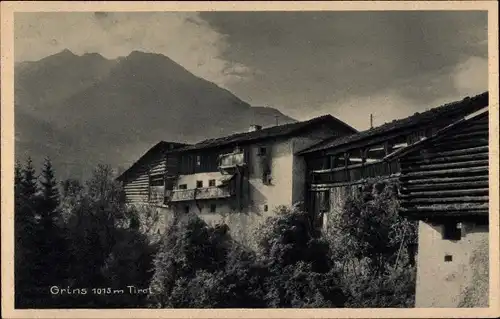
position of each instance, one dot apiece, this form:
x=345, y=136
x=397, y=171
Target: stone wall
x=459, y=282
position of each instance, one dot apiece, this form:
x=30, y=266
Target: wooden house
x=444, y=185
x=337, y=166
x=144, y=180
x=251, y=173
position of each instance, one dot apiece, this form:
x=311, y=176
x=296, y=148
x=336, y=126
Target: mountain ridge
x=111, y=110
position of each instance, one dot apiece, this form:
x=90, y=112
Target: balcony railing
x=181, y=195
x=232, y=160
x=356, y=172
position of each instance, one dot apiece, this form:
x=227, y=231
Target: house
x=336, y=167
x=237, y=179
x=144, y=179
x=444, y=185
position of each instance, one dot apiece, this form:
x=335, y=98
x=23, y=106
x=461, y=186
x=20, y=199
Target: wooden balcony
x=231, y=160
x=182, y=195
x=355, y=172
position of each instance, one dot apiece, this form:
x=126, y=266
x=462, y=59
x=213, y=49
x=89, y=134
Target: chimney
x=371, y=121
x=254, y=128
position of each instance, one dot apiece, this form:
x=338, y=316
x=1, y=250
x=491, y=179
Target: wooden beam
x=430, y=167
x=450, y=207
x=447, y=172
x=421, y=214
x=447, y=159
x=462, y=151
x=445, y=186
x=445, y=193
x=445, y=180
x=461, y=199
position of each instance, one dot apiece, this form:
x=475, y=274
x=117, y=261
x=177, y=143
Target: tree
x=300, y=270
x=49, y=206
x=25, y=219
x=72, y=192
x=371, y=247
x=50, y=239
x=191, y=254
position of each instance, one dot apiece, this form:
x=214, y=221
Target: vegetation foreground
x=79, y=246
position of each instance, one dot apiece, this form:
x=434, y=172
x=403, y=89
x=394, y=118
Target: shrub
x=372, y=246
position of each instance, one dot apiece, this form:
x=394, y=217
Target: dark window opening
x=156, y=180
x=183, y=186
x=337, y=161
x=355, y=157
x=448, y=258
x=211, y=183
x=186, y=209
x=266, y=208
x=213, y=208
x=266, y=177
x=375, y=153
x=198, y=160
x=324, y=202
x=452, y=231
x=262, y=151
x=199, y=184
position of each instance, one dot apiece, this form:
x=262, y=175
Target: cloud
x=182, y=36
x=471, y=76
x=312, y=61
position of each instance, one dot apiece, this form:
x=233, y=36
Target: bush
x=298, y=261
x=373, y=248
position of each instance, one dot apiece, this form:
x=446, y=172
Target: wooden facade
x=447, y=176
x=336, y=166
x=153, y=175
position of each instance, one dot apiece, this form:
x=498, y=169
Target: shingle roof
x=439, y=134
x=465, y=106
x=270, y=132
x=161, y=146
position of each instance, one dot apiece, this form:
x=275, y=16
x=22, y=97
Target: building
x=238, y=179
x=141, y=179
x=336, y=167
x=444, y=185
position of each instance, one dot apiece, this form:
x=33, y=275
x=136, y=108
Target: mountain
x=84, y=110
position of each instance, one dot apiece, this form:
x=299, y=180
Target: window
x=183, y=186
x=213, y=208
x=156, y=180
x=266, y=177
x=211, y=183
x=452, y=231
x=375, y=153
x=199, y=184
x=266, y=208
x=186, y=209
x=262, y=151
x=448, y=258
x=198, y=160
x=398, y=142
x=355, y=157
x=337, y=161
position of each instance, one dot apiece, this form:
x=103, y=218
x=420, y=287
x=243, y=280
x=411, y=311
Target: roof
x=440, y=133
x=269, y=132
x=465, y=106
x=162, y=146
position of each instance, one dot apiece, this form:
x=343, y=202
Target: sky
x=306, y=64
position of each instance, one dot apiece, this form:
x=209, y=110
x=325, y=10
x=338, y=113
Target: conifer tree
x=50, y=195
x=51, y=243
x=29, y=187
x=25, y=189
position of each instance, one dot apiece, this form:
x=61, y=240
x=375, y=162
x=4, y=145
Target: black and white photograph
x=251, y=159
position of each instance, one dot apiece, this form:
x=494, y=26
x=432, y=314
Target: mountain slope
x=85, y=110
